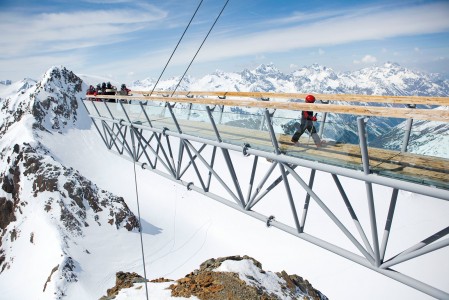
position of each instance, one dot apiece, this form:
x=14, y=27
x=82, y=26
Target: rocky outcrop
x=208, y=282
x=123, y=280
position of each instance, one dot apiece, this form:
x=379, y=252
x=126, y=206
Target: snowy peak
x=267, y=70
x=55, y=99
x=166, y=85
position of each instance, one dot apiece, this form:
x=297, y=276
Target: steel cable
x=224, y=6
x=185, y=30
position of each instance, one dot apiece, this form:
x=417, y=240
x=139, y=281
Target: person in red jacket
x=307, y=119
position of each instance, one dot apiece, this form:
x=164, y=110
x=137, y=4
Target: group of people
x=107, y=89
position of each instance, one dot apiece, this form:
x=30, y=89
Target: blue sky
x=127, y=40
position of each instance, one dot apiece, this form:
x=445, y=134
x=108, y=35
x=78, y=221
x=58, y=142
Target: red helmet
x=310, y=98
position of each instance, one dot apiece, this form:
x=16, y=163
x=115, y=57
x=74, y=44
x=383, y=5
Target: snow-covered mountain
x=46, y=207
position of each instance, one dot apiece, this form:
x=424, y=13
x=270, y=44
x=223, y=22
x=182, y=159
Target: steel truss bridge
x=186, y=135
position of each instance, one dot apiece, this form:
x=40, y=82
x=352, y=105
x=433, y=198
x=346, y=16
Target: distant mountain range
x=388, y=79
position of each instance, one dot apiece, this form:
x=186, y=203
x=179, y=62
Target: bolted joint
x=269, y=220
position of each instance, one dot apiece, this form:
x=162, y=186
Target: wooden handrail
x=378, y=111
x=424, y=100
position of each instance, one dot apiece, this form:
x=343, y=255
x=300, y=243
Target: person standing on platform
x=307, y=119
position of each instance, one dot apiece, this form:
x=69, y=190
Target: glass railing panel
x=193, y=119
x=115, y=109
x=156, y=113
x=99, y=108
x=90, y=108
x=422, y=161
x=240, y=125
x=332, y=139
x=429, y=138
x=134, y=111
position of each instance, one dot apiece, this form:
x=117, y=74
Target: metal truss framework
x=153, y=149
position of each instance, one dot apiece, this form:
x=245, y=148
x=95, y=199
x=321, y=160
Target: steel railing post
x=361, y=123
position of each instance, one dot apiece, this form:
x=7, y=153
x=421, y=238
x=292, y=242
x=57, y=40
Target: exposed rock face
x=123, y=280
x=208, y=283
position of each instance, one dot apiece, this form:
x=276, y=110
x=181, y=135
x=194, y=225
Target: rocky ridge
x=209, y=282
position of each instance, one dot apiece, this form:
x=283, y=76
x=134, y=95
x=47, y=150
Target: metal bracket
x=143, y=166
x=324, y=101
x=269, y=220
x=265, y=99
x=271, y=113
x=189, y=186
x=222, y=97
x=164, y=130
x=245, y=148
